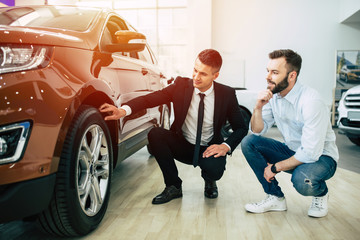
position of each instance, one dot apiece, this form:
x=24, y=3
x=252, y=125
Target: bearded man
x=308, y=153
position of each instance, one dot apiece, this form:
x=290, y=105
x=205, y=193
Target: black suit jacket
x=180, y=94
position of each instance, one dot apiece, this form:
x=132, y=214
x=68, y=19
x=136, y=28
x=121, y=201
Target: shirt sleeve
x=316, y=121
x=268, y=119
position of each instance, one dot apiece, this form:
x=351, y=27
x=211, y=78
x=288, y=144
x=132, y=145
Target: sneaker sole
x=270, y=210
x=317, y=216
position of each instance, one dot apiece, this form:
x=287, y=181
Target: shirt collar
x=294, y=93
x=207, y=92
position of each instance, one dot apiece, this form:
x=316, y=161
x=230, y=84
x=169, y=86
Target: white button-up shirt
x=189, y=127
x=304, y=122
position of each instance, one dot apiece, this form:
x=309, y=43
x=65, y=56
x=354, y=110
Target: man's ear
x=293, y=76
x=216, y=75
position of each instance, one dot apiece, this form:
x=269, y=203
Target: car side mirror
x=128, y=41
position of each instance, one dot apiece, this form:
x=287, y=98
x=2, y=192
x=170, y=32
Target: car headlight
x=13, y=139
x=15, y=57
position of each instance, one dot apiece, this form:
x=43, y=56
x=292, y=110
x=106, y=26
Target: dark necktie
x=198, y=131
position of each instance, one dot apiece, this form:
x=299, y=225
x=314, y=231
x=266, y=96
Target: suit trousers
x=166, y=146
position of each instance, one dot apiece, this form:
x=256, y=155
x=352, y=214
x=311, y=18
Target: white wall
x=249, y=30
x=348, y=8
x=199, y=30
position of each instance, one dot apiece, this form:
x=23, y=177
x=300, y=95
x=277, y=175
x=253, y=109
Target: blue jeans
x=308, y=178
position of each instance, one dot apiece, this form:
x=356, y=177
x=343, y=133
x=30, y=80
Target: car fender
x=94, y=93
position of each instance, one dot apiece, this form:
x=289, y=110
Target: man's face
x=277, y=76
x=203, y=76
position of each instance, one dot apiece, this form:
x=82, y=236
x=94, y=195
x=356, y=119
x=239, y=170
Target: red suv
x=58, y=64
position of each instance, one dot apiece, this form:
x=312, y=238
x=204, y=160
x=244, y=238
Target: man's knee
x=248, y=142
x=306, y=185
x=213, y=174
x=155, y=134
x=213, y=167
x=217, y=174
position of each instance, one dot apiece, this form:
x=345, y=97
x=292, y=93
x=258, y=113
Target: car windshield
x=62, y=17
x=353, y=67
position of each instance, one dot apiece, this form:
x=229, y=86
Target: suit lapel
x=188, y=91
x=217, y=106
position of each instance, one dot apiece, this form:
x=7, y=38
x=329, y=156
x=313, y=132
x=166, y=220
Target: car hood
x=44, y=36
x=354, y=90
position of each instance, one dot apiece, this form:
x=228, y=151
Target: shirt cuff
x=263, y=131
x=303, y=157
x=127, y=109
x=229, y=152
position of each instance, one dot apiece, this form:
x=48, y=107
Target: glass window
x=165, y=24
x=173, y=60
x=134, y=4
x=145, y=55
x=172, y=3
x=113, y=25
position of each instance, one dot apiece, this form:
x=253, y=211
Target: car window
x=145, y=55
x=113, y=25
x=62, y=17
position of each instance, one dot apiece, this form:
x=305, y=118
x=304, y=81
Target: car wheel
x=355, y=140
x=165, y=123
x=226, y=130
x=340, y=76
x=83, y=181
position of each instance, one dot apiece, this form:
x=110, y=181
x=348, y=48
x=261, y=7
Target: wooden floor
x=138, y=179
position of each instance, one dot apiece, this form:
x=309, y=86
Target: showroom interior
x=244, y=32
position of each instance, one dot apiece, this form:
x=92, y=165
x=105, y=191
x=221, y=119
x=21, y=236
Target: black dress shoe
x=211, y=190
x=167, y=195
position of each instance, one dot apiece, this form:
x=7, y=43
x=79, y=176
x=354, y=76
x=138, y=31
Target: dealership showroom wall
x=244, y=32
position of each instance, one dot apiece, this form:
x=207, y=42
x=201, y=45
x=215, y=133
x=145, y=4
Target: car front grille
x=352, y=101
x=347, y=123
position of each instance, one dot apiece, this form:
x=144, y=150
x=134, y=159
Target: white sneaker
x=319, y=206
x=270, y=203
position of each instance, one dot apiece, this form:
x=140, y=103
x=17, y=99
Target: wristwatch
x=273, y=169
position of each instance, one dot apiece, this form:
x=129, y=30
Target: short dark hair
x=293, y=59
x=211, y=58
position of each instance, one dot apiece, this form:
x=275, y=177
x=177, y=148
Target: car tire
x=83, y=180
x=165, y=123
x=355, y=140
x=226, y=129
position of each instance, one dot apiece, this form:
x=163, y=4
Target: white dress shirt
x=304, y=122
x=189, y=127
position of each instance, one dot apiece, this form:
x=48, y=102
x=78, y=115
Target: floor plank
x=131, y=216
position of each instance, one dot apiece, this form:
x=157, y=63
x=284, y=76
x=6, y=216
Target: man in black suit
x=220, y=104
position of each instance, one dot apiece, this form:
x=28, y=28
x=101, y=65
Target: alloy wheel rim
x=92, y=170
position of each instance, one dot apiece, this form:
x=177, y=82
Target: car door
x=135, y=76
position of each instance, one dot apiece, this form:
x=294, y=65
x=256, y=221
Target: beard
x=280, y=86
